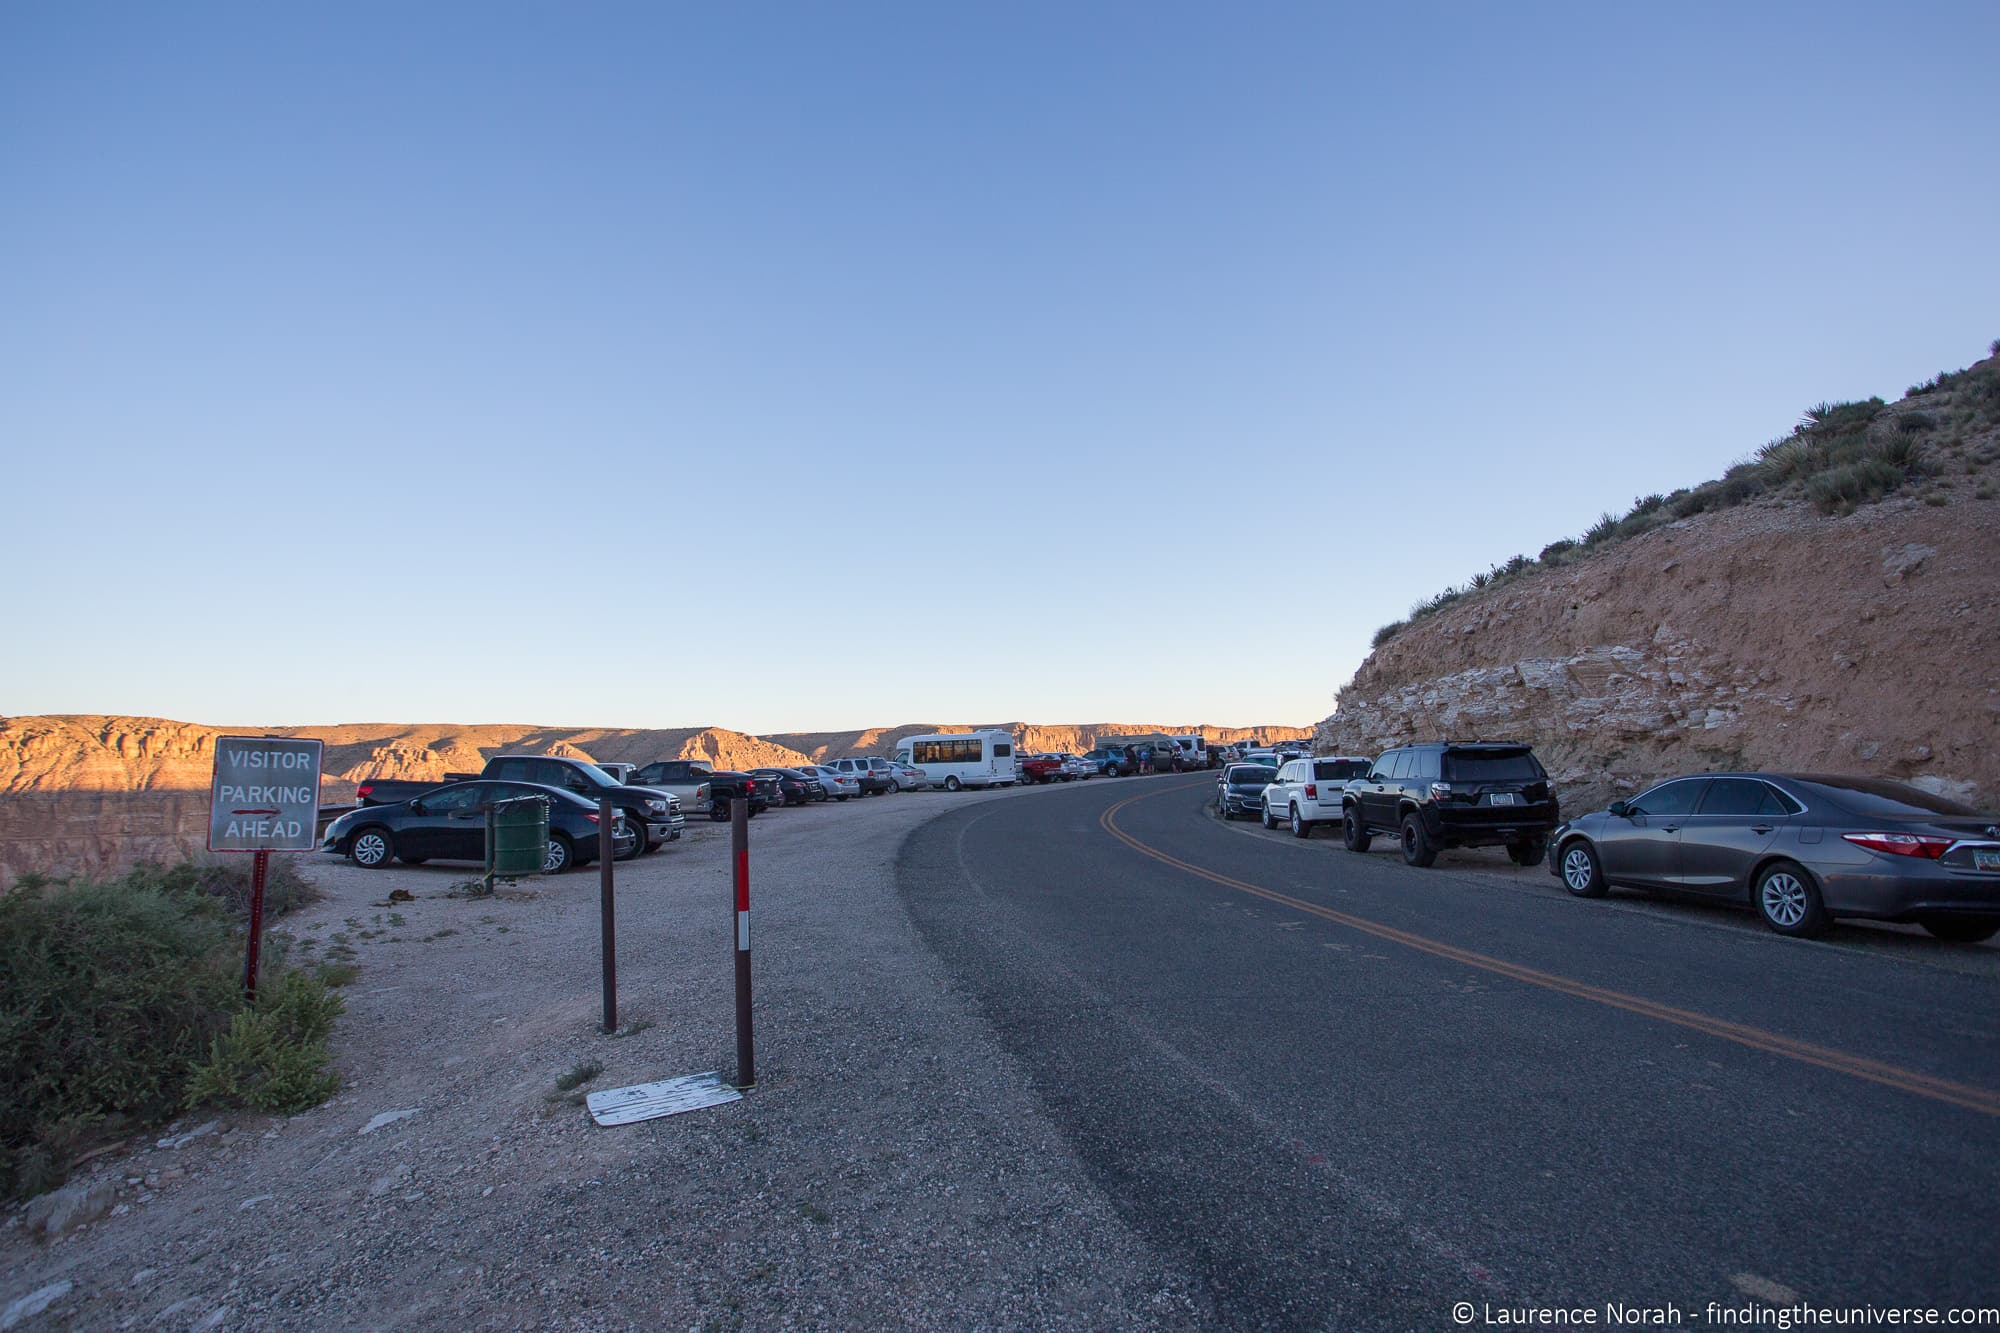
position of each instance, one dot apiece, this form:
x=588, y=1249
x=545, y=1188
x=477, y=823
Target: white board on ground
x=650, y=1101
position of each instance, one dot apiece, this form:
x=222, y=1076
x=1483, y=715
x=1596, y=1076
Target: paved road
x=1343, y=1093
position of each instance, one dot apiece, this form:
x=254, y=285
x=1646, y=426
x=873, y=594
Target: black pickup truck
x=654, y=816
x=710, y=789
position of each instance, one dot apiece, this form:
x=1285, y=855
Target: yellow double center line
x=1840, y=1062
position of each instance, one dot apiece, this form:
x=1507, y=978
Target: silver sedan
x=1800, y=848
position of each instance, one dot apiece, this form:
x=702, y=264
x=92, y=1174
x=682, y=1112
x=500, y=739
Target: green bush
x=110, y=992
x=1387, y=632
x=273, y=1057
x=1916, y=423
x=1842, y=489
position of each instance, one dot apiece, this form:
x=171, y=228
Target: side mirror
x=1620, y=809
x=417, y=807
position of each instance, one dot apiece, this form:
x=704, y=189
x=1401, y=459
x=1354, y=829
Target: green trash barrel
x=519, y=836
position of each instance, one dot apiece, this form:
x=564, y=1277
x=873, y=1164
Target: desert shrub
x=1481, y=580
x=1993, y=348
x=1839, y=418
x=1555, y=550
x=1918, y=390
x=1387, y=632
x=1606, y=525
x=1841, y=489
x=1916, y=423
x=1789, y=456
x=110, y=992
x=273, y=1057
x=1900, y=452
x=227, y=880
x=1516, y=564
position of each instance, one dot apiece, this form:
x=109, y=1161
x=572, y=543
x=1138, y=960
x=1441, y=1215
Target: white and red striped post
x=746, y=1058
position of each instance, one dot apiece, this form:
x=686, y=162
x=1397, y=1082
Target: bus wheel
x=951, y=782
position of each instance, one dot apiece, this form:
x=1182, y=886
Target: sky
x=798, y=367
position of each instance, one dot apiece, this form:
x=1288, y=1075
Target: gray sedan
x=1801, y=849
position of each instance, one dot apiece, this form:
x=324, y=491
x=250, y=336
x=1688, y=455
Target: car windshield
x=1888, y=800
x=1244, y=774
x=597, y=776
x=1506, y=766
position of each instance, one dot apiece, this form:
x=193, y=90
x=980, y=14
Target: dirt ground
x=887, y=1169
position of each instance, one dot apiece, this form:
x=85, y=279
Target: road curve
x=1343, y=1093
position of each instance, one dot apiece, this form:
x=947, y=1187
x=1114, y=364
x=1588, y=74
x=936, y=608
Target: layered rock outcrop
x=1768, y=637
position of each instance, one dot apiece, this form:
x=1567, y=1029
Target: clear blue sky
x=785, y=367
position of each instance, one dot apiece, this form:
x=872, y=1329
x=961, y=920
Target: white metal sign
x=650, y=1101
x=265, y=796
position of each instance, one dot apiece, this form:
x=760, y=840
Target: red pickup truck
x=1039, y=768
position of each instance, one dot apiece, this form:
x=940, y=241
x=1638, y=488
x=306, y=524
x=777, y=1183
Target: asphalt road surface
x=1344, y=1093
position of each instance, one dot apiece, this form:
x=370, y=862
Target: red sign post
x=739, y=829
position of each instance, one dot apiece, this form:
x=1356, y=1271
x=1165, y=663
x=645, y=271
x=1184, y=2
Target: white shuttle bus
x=971, y=759
x=1194, y=749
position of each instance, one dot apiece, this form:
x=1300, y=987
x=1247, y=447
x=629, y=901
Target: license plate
x=1501, y=798
x=1985, y=860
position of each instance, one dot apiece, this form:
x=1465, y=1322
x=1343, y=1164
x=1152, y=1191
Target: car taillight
x=1440, y=791
x=591, y=817
x=365, y=789
x=1312, y=791
x=1902, y=844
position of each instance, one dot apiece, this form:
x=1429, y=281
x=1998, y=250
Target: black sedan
x=1800, y=848
x=1240, y=789
x=796, y=787
x=449, y=824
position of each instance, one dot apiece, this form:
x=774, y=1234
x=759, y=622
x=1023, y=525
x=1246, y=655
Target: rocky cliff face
x=1764, y=637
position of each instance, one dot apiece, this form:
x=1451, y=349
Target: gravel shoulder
x=892, y=1166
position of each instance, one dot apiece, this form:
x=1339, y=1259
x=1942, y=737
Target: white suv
x=1307, y=791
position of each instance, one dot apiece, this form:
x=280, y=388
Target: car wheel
x=1418, y=849
x=1111, y=770
x=894, y=786
x=1961, y=929
x=1527, y=853
x=950, y=784
x=372, y=848
x=1789, y=901
x=1270, y=820
x=638, y=842
x=1353, y=832
x=717, y=810
x=559, y=857
x=1582, y=873
x=1301, y=828
x=413, y=860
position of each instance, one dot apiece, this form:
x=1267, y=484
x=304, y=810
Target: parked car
x=1308, y=792
x=1240, y=789
x=1074, y=768
x=875, y=774
x=1801, y=849
x=622, y=772
x=448, y=823
x=654, y=814
x=708, y=788
x=838, y=785
x=908, y=776
x=1448, y=794
x=795, y=787
x=1112, y=761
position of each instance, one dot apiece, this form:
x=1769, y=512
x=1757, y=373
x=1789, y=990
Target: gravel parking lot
x=889, y=1169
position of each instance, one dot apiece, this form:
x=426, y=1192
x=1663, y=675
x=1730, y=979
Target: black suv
x=1453, y=795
